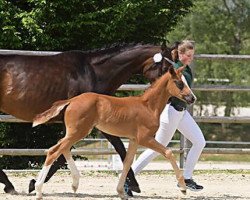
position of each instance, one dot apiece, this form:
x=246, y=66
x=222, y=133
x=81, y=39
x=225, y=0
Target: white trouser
x=171, y=120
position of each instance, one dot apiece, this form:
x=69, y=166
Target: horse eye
x=179, y=84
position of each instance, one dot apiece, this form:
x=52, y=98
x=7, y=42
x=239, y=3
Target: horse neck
x=117, y=69
x=157, y=95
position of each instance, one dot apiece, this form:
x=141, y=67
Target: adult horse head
x=31, y=84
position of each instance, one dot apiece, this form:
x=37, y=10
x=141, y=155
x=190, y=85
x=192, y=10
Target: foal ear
x=180, y=70
x=172, y=70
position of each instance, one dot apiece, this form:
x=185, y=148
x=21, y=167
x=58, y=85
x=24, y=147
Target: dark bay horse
x=136, y=118
x=31, y=84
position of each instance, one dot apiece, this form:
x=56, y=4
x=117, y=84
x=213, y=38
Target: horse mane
x=109, y=51
x=116, y=48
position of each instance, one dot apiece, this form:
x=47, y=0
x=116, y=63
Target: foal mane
x=154, y=84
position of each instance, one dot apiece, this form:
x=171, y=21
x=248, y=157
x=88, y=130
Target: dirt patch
x=155, y=186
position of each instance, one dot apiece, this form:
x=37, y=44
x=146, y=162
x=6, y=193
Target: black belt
x=178, y=107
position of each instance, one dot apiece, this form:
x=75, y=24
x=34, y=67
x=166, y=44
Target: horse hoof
x=135, y=188
x=10, y=190
x=32, y=185
x=129, y=193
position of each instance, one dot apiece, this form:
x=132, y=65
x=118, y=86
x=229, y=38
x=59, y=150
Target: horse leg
x=9, y=188
x=73, y=169
x=120, y=149
x=126, y=166
x=151, y=143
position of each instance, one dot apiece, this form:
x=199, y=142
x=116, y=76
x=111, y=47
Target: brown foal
x=136, y=118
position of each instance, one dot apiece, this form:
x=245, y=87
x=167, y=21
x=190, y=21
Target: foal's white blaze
x=185, y=81
x=40, y=180
x=74, y=173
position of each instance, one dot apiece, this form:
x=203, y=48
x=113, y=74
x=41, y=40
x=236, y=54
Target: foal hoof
x=74, y=188
x=183, y=191
x=123, y=197
x=32, y=185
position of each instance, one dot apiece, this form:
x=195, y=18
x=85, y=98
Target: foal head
x=176, y=87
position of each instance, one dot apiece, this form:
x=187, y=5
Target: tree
x=76, y=24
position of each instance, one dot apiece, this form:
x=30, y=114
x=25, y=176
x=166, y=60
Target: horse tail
x=50, y=113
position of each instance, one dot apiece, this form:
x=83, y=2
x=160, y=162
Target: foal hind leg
x=151, y=143
x=43, y=173
x=54, y=152
x=73, y=170
x=126, y=166
x=59, y=163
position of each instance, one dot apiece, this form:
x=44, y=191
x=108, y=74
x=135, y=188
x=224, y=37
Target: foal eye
x=179, y=84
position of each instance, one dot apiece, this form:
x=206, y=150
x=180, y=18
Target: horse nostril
x=193, y=99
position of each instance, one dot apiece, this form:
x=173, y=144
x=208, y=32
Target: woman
x=175, y=116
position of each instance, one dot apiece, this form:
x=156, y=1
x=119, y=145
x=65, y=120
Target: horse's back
x=30, y=84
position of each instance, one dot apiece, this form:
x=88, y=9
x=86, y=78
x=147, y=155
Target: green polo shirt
x=187, y=72
x=189, y=78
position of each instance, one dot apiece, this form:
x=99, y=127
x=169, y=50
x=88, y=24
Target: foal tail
x=50, y=113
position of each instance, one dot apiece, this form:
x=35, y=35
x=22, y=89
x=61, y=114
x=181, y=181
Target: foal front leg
x=132, y=147
x=120, y=149
x=151, y=143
